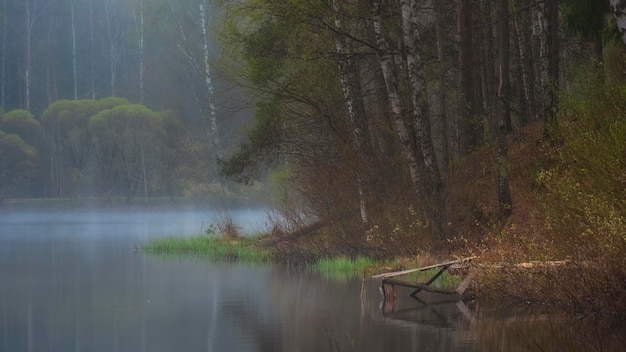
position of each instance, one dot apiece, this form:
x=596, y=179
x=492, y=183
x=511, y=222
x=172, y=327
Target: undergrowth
x=577, y=210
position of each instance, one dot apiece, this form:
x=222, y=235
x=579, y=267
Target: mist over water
x=74, y=281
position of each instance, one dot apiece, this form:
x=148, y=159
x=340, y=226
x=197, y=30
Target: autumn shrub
x=585, y=198
x=580, y=213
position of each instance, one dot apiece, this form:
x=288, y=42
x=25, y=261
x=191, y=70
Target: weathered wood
x=435, y=277
x=396, y=273
x=464, y=284
x=422, y=287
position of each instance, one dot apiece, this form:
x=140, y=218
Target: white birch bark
x=139, y=26
x=619, y=11
x=397, y=111
x=208, y=81
x=92, y=73
x=421, y=120
x=112, y=36
x=4, y=54
x=74, y=63
x=27, y=56
x=356, y=111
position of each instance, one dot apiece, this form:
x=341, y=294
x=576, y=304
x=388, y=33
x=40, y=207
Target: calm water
x=72, y=281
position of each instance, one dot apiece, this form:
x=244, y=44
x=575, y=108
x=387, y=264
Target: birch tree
x=74, y=59
x=208, y=80
x=420, y=117
x=348, y=71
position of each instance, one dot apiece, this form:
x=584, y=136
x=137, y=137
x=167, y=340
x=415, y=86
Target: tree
x=128, y=148
x=17, y=158
x=66, y=123
x=503, y=108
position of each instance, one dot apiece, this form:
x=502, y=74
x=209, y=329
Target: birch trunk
x=421, y=121
x=350, y=85
x=525, y=66
x=74, y=63
x=4, y=54
x=92, y=80
x=27, y=63
x=395, y=103
x=140, y=34
x=546, y=27
x=208, y=81
x=112, y=36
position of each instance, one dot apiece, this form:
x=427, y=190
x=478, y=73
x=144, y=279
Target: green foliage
x=23, y=124
x=17, y=158
x=241, y=249
x=586, y=17
x=343, y=268
x=586, y=199
x=263, y=145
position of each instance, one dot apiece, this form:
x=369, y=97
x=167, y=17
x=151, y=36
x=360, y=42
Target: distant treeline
x=101, y=148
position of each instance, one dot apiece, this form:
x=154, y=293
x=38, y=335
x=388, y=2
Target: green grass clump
x=342, y=268
x=241, y=249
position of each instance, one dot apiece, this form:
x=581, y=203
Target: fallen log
x=421, y=287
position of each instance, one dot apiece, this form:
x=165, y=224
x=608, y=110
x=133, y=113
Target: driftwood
x=387, y=284
x=424, y=268
x=303, y=231
x=418, y=286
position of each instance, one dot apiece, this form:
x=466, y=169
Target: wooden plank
x=422, y=287
x=435, y=277
x=396, y=273
x=464, y=284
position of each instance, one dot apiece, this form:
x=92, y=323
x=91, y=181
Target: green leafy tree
x=23, y=124
x=128, y=150
x=17, y=159
x=66, y=123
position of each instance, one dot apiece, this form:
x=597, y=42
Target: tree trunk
x=522, y=36
x=112, y=34
x=547, y=28
x=4, y=55
x=443, y=100
x=139, y=25
x=554, y=47
x=92, y=74
x=468, y=126
x=431, y=178
x=395, y=103
x=503, y=107
x=27, y=59
x=350, y=85
x=208, y=82
x=74, y=63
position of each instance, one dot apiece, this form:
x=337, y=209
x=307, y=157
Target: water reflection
x=72, y=282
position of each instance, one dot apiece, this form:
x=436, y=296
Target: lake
x=75, y=281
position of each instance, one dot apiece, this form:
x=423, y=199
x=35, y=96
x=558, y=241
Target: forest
x=113, y=98
x=389, y=123
x=381, y=126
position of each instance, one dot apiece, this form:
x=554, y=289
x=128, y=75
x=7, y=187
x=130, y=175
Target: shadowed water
x=73, y=281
